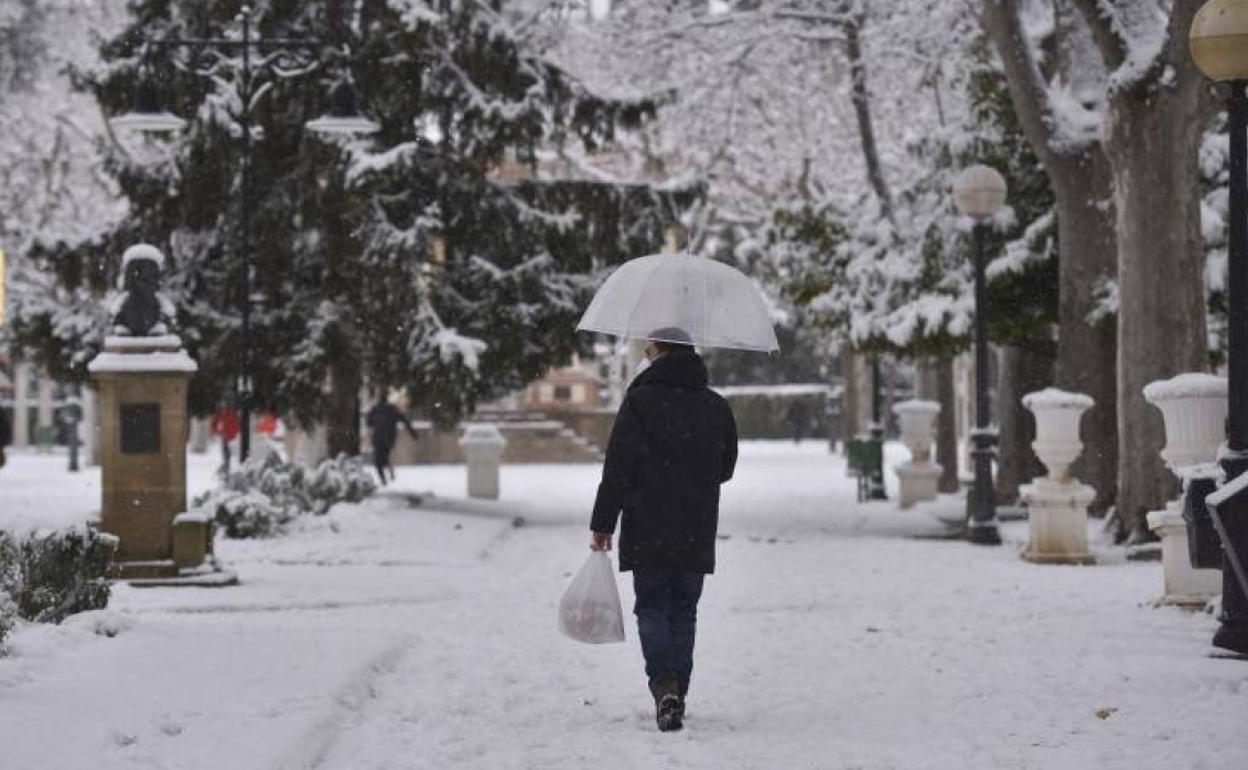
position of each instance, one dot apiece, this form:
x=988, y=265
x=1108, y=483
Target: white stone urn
x=1193, y=406
x=919, y=477
x=483, y=445
x=1057, y=414
x=1057, y=504
x=918, y=426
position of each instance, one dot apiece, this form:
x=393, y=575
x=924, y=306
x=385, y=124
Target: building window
x=563, y=393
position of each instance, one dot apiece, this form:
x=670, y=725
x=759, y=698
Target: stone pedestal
x=483, y=449
x=1057, y=505
x=1194, y=407
x=1185, y=586
x=1057, y=517
x=919, y=476
x=142, y=384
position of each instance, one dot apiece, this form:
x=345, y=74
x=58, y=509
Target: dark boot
x=668, y=708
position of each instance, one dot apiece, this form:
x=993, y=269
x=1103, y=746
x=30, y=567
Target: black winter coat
x=383, y=422
x=673, y=443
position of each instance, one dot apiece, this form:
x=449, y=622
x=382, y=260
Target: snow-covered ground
x=419, y=632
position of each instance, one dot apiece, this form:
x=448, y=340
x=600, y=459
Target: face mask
x=644, y=365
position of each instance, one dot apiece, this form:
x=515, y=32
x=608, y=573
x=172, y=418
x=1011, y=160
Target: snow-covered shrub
x=246, y=514
x=265, y=494
x=8, y=586
x=62, y=572
x=342, y=479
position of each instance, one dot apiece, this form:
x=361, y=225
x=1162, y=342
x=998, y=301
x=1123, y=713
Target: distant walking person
x=6, y=437
x=673, y=443
x=798, y=417
x=225, y=426
x=383, y=423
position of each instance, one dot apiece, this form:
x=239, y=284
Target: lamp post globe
x=978, y=192
x=1219, y=40
x=1219, y=47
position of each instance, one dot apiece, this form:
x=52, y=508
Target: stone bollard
x=1057, y=504
x=919, y=475
x=1194, y=407
x=483, y=448
x=192, y=538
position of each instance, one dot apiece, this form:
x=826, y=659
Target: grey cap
x=672, y=334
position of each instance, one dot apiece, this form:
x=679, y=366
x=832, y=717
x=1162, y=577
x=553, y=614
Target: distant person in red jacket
x=224, y=425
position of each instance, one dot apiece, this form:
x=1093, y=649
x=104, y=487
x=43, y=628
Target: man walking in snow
x=673, y=443
x=383, y=424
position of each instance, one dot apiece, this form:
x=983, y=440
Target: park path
x=834, y=635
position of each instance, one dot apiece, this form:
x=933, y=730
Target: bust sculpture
x=140, y=311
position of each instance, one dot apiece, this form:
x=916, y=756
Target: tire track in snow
x=361, y=689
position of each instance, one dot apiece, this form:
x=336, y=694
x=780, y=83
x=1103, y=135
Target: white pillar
x=200, y=435
x=1194, y=407
x=21, y=397
x=89, y=428
x=1057, y=504
x=44, y=404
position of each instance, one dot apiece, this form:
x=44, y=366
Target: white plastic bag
x=590, y=608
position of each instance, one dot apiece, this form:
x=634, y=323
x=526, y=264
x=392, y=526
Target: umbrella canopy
x=716, y=305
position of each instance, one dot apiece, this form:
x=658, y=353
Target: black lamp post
x=1219, y=45
x=875, y=487
x=253, y=77
x=978, y=192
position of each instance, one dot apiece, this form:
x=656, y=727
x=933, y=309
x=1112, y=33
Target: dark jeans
x=381, y=459
x=667, y=619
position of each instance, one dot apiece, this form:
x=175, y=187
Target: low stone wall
x=539, y=441
x=594, y=425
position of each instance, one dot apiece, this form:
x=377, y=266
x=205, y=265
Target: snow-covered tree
x=1157, y=110
x=54, y=189
x=418, y=257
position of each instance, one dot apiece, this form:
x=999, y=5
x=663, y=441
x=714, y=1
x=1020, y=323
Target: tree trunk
x=1085, y=221
x=1082, y=182
x=849, y=397
x=343, y=417
x=946, y=427
x=1153, y=144
x=1021, y=373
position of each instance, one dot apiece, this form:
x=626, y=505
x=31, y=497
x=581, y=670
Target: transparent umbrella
x=716, y=305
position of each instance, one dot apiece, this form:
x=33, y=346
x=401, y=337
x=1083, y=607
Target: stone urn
x=1057, y=414
x=919, y=476
x=1057, y=504
x=1194, y=407
x=483, y=445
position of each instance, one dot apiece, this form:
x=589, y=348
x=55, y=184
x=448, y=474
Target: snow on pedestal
x=1194, y=407
x=1057, y=504
x=918, y=476
x=483, y=448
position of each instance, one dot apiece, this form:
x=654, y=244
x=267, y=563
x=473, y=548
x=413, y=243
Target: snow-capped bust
x=139, y=310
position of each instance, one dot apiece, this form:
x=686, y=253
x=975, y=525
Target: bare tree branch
x=1028, y=90
x=1098, y=15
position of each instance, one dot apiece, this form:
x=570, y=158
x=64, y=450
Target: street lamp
x=147, y=115
x=978, y=192
x=1219, y=44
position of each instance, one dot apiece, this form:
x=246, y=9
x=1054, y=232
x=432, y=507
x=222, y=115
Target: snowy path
x=387, y=636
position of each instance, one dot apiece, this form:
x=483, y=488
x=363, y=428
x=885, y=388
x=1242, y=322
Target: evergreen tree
x=414, y=258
